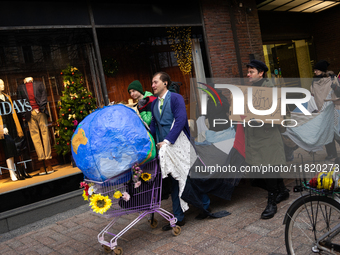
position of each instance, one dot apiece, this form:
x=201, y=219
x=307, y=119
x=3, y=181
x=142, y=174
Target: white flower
x=91, y=190
x=126, y=196
x=137, y=184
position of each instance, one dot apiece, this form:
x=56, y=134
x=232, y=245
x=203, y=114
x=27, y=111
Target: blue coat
x=177, y=112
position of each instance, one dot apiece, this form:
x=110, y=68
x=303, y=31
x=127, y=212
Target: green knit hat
x=136, y=85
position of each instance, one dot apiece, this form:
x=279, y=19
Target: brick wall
x=327, y=37
x=220, y=41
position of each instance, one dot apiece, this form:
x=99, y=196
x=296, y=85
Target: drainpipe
x=99, y=58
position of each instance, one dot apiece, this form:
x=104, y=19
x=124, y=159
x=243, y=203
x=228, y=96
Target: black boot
x=283, y=193
x=271, y=208
x=23, y=172
x=19, y=175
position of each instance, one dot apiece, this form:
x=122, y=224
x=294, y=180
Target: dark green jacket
x=264, y=145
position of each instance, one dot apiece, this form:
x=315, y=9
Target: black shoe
x=329, y=157
x=271, y=207
x=201, y=216
x=23, y=172
x=168, y=227
x=20, y=177
x=283, y=195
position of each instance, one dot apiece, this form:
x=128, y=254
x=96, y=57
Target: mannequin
x=9, y=129
x=34, y=92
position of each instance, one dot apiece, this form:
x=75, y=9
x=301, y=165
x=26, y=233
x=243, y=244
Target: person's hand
x=36, y=110
x=5, y=131
x=159, y=145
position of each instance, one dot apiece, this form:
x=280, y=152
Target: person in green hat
x=145, y=99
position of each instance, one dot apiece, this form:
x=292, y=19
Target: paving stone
x=185, y=249
x=242, y=232
x=66, y=250
x=164, y=248
x=216, y=250
x=10, y=253
x=244, y=251
x=31, y=253
x=237, y=235
x=206, y=243
x=258, y=230
x=248, y=240
x=13, y=245
x=44, y=250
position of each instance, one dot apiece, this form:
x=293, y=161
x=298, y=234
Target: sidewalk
x=242, y=232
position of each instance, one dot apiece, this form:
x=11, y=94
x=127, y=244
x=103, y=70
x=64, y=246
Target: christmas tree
x=75, y=104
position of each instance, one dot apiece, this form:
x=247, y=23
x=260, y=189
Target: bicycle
x=313, y=223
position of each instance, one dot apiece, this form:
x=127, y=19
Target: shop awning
x=307, y=6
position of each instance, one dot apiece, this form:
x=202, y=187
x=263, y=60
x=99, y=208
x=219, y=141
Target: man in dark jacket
x=264, y=145
x=36, y=114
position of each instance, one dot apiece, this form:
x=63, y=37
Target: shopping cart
x=145, y=200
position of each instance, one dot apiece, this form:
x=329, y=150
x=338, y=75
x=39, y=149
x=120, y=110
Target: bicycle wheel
x=308, y=219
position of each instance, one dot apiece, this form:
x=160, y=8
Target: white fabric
x=312, y=105
x=177, y=159
x=201, y=128
x=225, y=146
x=301, y=118
x=317, y=132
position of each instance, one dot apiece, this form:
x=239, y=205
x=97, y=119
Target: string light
x=180, y=43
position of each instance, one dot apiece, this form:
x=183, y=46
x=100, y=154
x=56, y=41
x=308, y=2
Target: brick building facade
x=327, y=37
x=220, y=39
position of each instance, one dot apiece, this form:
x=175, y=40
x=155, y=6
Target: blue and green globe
x=110, y=141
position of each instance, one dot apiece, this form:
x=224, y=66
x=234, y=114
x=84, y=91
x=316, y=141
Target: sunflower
x=117, y=194
x=145, y=176
x=100, y=204
x=86, y=198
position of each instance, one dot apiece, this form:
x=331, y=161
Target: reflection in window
x=46, y=49
x=28, y=55
x=2, y=56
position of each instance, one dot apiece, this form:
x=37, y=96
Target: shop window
x=46, y=49
x=64, y=52
x=2, y=56
x=28, y=54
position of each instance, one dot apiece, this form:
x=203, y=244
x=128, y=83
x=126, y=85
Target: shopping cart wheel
x=176, y=230
x=154, y=224
x=107, y=249
x=118, y=250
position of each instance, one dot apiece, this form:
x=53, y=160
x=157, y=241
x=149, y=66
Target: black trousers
x=273, y=183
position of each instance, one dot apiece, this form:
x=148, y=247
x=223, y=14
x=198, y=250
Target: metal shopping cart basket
x=145, y=200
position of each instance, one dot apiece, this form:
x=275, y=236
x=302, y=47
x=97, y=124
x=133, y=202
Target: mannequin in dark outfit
x=10, y=130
